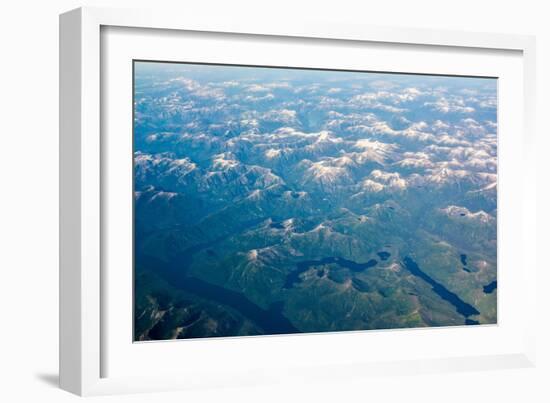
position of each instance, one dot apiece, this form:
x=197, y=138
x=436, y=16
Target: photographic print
x=271, y=200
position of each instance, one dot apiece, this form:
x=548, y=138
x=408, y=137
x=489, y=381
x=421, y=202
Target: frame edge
x=70, y=294
x=530, y=188
x=79, y=310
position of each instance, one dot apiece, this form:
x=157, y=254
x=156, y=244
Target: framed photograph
x=244, y=203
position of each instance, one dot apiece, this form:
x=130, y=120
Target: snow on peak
x=164, y=162
x=224, y=161
x=374, y=151
x=323, y=172
x=343, y=161
x=182, y=166
x=281, y=115
x=391, y=179
x=288, y=222
x=162, y=195
x=464, y=213
x=371, y=186
x=252, y=254
x=255, y=195
x=415, y=163
x=272, y=153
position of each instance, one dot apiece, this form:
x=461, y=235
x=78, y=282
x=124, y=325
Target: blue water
x=293, y=277
x=384, y=255
x=489, y=288
x=461, y=306
x=271, y=320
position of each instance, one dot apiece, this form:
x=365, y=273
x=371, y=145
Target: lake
x=461, y=306
x=293, y=277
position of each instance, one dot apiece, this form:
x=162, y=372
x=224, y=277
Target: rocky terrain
x=280, y=201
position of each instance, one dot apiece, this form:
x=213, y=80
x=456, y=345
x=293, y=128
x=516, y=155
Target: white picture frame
x=83, y=309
